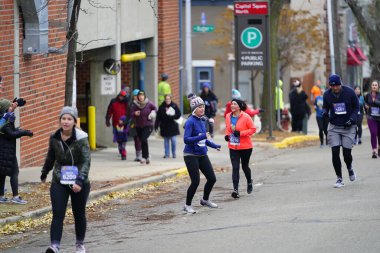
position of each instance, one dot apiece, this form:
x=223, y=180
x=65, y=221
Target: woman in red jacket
x=239, y=129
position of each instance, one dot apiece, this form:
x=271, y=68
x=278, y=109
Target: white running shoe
x=52, y=249
x=352, y=174
x=189, y=209
x=208, y=203
x=339, y=183
x=80, y=248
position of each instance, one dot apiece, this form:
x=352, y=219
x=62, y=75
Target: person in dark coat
x=211, y=106
x=8, y=159
x=167, y=113
x=297, y=98
x=144, y=113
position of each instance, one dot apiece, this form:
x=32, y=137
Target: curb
x=99, y=193
x=294, y=139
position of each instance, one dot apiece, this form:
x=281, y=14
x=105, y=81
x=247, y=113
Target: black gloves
x=43, y=177
x=325, y=114
x=349, y=123
x=236, y=133
x=227, y=138
x=108, y=123
x=28, y=133
x=261, y=110
x=20, y=101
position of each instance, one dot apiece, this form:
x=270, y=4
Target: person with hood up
x=8, y=158
x=117, y=107
x=298, y=106
x=144, y=113
x=211, y=105
x=167, y=113
x=132, y=132
x=163, y=88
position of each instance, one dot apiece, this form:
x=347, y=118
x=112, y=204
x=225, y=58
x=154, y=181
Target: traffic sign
x=203, y=28
x=251, y=37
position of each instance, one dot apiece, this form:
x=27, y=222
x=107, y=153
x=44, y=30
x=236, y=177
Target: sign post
x=252, y=42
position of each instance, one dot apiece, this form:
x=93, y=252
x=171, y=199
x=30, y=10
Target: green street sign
x=203, y=28
x=251, y=37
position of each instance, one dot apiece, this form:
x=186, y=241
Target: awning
x=352, y=59
x=359, y=54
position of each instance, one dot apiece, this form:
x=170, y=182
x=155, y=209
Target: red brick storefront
x=42, y=79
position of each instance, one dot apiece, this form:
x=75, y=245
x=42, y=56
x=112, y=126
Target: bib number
x=235, y=141
x=340, y=108
x=375, y=111
x=69, y=174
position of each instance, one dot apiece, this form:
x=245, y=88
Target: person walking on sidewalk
x=372, y=105
x=239, y=129
x=69, y=157
x=163, y=88
x=195, y=154
x=117, y=107
x=211, y=106
x=298, y=106
x=341, y=105
x=359, y=128
x=167, y=113
x=132, y=132
x=8, y=159
x=322, y=122
x=120, y=136
x=144, y=112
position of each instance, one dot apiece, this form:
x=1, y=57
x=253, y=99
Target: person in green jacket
x=163, y=88
x=279, y=99
x=69, y=158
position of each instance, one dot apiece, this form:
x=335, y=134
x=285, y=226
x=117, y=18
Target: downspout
x=189, y=67
x=118, y=43
x=180, y=58
x=16, y=67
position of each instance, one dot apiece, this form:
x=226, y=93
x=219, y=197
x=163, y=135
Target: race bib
x=202, y=143
x=340, y=108
x=375, y=111
x=69, y=174
x=235, y=141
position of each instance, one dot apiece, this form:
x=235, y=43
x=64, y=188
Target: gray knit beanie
x=69, y=110
x=4, y=105
x=195, y=102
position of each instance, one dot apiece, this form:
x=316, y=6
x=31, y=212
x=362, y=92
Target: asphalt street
x=294, y=208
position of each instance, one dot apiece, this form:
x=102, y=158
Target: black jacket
x=168, y=126
x=298, y=103
x=211, y=103
x=372, y=103
x=8, y=158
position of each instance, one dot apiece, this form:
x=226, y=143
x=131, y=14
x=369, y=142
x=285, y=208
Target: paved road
x=293, y=208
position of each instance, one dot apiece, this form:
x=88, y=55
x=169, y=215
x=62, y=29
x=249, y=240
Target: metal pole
x=180, y=58
x=16, y=68
x=331, y=38
x=269, y=78
x=118, y=42
x=189, y=72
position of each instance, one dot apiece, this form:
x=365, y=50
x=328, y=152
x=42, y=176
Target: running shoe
x=3, y=199
x=352, y=174
x=137, y=159
x=52, y=249
x=208, y=203
x=235, y=194
x=18, y=200
x=147, y=161
x=143, y=161
x=79, y=248
x=189, y=209
x=374, y=155
x=250, y=187
x=339, y=183
x=360, y=142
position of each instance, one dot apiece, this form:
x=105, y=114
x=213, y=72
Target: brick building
x=37, y=78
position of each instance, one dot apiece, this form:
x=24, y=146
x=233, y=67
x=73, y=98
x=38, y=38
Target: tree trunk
x=275, y=9
x=336, y=40
x=371, y=30
x=72, y=36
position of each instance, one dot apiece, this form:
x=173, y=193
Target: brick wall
x=42, y=81
x=168, y=43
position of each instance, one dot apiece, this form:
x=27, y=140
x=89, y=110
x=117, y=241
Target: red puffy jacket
x=116, y=109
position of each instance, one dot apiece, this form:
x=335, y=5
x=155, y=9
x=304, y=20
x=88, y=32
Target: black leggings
x=359, y=129
x=244, y=155
x=322, y=126
x=59, y=195
x=297, y=123
x=336, y=159
x=194, y=164
x=143, y=133
x=13, y=180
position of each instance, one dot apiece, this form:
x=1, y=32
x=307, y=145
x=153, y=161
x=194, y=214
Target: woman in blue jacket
x=195, y=154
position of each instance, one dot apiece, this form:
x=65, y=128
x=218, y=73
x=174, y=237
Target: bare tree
x=367, y=17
